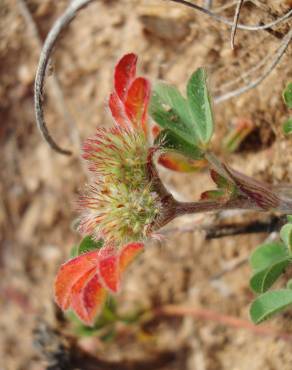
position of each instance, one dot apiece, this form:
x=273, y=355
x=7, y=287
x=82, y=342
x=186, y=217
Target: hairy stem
x=184, y=208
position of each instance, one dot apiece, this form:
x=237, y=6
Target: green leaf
x=88, y=244
x=169, y=140
x=262, y=280
x=286, y=236
x=74, y=251
x=287, y=95
x=287, y=126
x=269, y=304
x=289, y=218
x=266, y=255
x=200, y=105
x=170, y=110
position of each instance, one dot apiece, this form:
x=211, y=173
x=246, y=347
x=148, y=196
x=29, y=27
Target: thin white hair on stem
x=50, y=41
x=275, y=61
x=235, y=22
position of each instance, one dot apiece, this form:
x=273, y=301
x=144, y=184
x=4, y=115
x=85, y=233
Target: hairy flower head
x=118, y=156
x=118, y=212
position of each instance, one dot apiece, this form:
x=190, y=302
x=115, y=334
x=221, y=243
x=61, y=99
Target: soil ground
x=39, y=186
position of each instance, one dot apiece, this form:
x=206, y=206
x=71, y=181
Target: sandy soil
x=38, y=186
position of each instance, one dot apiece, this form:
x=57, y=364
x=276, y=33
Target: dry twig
x=226, y=21
x=215, y=231
x=235, y=21
x=54, y=86
x=50, y=41
x=276, y=59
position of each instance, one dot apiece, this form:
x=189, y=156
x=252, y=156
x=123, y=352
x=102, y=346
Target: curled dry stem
x=49, y=44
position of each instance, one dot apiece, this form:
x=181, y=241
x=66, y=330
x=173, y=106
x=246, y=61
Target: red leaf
x=108, y=268
x=93, y=298
x=125, y=72
x=118, y=111
x=88, y=301
x=136, y=102
x=76, y=301
x=128, y=254
x=70, y=273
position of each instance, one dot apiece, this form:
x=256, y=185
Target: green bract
x=87, y=244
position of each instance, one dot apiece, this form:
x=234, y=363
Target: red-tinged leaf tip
x=213, y=194
x=77, y=302
x=87, y=302
x=125, y=72
x=242, y=128
x=70, y=273
x=118, y=111
x=93, y=297
x=77, y=306
x=108, y=268
x=177, y=162
x=128, y=254
x=155, y=131
x=219, y=180
x=136, y=103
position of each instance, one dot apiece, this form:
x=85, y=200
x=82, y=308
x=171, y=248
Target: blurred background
x=38, y=187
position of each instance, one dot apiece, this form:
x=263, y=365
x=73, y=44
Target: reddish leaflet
x=82, y=283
